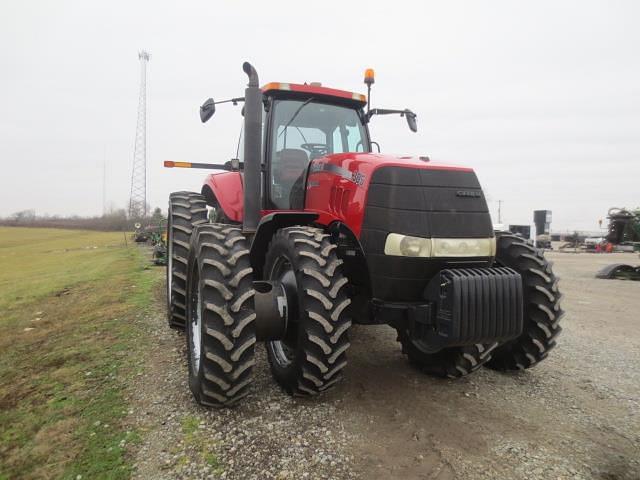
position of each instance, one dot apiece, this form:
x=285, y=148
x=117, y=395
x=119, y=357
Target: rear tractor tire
x=220, y=316
x=186, y=211
x=311, y=357
x=542, y=312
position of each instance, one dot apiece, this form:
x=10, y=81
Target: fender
x=266, y=228
x=225, y=189
x=356, y=269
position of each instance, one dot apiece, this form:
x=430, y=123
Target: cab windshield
x=303, y=131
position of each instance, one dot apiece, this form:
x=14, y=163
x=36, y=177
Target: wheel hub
x=195, y=327
x=169, y=258
x=283, y=277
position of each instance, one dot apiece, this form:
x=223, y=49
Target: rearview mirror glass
x=411, y=121
x=207, y=110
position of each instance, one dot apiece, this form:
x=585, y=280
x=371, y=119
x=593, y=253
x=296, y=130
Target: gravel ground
x=575, y=416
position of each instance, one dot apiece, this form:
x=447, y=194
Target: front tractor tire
x=542, y=312
x=186, y=211
x=220, y=329
x=452, y=362
x=311, y=356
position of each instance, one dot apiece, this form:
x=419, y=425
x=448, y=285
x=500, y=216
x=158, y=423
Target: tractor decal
x=355, y=177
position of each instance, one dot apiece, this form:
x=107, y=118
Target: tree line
x=114, y=220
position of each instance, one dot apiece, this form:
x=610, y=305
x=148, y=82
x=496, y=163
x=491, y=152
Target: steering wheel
x=316, y=149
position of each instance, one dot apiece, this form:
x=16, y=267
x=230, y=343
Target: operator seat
x=290, y=171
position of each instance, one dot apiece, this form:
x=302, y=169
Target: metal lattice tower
x=138, y=198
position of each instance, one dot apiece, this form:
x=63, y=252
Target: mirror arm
x=386, y=111
x=408, y=114
x=231, y=100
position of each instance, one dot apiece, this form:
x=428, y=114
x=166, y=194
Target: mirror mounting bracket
x=411, y=117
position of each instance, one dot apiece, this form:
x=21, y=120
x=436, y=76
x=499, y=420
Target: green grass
x=198, y=443
x=70, y=339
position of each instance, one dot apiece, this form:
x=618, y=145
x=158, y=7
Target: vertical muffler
x=252, y=151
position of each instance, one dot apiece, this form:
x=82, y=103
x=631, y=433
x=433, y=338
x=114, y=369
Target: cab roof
x=313, y=89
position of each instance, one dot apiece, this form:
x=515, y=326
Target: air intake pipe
x=252, y=150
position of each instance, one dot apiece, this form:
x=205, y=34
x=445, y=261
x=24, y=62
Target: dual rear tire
x=220, y=326
x=187, y=210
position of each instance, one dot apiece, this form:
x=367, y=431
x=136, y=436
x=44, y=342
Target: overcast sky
x=541, y=98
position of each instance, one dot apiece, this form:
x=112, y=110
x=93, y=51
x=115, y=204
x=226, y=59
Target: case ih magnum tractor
x=309, y=231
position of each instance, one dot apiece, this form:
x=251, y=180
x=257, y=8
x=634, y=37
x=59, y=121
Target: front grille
x=423, y=203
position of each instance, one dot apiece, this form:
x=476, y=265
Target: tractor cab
x=292, y=125
x=304, y=123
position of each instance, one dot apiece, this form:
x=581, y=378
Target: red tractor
x=309, y=230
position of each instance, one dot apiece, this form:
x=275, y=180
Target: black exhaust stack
x=252, y=150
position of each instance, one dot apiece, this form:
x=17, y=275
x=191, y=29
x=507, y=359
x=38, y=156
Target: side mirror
x=207, y=110
x=411, y=120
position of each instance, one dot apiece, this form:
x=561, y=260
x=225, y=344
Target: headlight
x=408, y=246
x=464, y=247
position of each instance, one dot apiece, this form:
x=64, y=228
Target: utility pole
x=499, y=211
x=104, y=182
x=138, y=198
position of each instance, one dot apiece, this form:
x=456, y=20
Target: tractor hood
x=358, y=167
x=398, y=194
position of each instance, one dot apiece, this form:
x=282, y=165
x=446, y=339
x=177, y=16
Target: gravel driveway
x=575, y=416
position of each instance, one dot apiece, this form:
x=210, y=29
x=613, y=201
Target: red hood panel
x=372, y=161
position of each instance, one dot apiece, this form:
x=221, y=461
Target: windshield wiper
x=295, y=114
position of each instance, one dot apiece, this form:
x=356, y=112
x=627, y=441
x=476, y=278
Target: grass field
x=69, y=341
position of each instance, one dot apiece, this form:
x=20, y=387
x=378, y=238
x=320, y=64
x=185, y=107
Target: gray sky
x=541, y=98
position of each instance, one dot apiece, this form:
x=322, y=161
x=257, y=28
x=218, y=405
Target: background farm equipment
x=159, y=242
x=624, y=235
x=624, y=226
x=619, y=271
x=140, y=235
x=156, y=236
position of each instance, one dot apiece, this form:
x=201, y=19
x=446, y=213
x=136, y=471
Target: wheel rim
x=169, y=256
x=195, y=323
x=284, y=351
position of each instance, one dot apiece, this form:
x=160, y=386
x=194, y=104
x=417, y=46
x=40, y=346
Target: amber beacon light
x=369, y=76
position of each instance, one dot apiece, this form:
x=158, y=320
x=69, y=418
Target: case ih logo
x=469, y=193
x=356, y=177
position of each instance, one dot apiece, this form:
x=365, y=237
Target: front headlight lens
x=463, y=247
x=408, y=246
